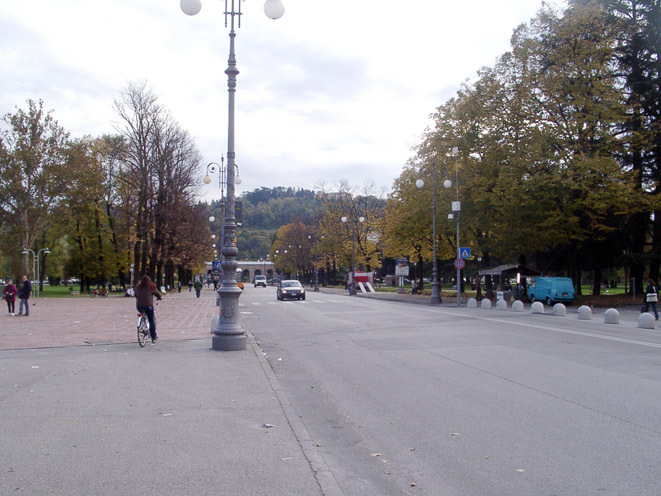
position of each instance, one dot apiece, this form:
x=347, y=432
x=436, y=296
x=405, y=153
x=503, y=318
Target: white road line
x=565, y=331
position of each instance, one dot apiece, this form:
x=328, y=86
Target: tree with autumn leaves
x=103, y=204
x=326, y=241
x=547, y=151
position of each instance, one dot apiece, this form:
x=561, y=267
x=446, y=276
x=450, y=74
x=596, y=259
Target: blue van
x=552, y=290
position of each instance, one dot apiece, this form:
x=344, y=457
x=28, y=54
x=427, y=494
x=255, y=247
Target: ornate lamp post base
x=229, y=334
x=435, y=294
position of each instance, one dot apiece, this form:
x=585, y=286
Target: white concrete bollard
x=501, y=305
x=485, y=303
x=584, y=313
x=537, y=307
x=471, y=303
x=517, y=306
x=611, y=316
x=646, y=321
x=559, y=310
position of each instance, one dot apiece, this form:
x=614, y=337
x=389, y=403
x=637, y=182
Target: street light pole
x=229, y=334
x=456, y=208
x=35, y=261
x=316, y=263
x=354, y=227
x=221, y=170
x=435, y=293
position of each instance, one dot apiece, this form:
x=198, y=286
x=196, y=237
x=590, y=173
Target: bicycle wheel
x=143, y=331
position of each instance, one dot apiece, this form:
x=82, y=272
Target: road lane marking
x=564, y=331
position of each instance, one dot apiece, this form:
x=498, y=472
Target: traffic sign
x=459, y=263
x=465, y=253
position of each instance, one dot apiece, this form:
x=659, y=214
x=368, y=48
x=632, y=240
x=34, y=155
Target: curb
x=320, y=470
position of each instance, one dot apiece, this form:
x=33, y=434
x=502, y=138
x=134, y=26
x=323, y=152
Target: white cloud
x=333, y=90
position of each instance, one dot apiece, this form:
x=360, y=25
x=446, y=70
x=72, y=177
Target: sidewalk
x=176, y=418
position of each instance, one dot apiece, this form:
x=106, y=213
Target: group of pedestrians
x=10, y=292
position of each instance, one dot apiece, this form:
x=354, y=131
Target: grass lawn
x=63, y=292
x=54, y=291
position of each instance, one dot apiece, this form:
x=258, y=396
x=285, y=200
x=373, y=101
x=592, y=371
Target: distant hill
x=265, y=210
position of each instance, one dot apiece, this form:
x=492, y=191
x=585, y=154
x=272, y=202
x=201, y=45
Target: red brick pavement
x=77, y=321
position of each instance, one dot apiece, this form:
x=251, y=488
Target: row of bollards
x=611, y=316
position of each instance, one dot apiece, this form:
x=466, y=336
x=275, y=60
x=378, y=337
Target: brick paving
x=81, y=320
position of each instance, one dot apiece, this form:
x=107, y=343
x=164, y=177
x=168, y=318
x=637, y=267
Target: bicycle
x=143, y=329
x=99, y=292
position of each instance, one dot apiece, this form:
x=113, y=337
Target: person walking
x=190, y=285
x=198, y=287
x=651, y=297
x=24, y=296
x=179, y=286
x=9, y=294
x=145, y=291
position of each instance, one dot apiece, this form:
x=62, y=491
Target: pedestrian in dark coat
x=198, y=287
x=24, y=295
x=651, y=297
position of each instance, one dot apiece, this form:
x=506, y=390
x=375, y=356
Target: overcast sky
x=333, y=90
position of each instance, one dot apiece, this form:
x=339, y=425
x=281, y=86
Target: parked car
x=290, y=289
x=552, y=290
x=260, y=281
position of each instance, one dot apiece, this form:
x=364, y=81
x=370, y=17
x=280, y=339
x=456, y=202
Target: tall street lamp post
x=35, y=262
x=221, y=170
x=435, y=293
x=229, y=334
x=354, y=227
x=456, y=208
x=316, y=262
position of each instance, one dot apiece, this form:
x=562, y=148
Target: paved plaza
x=77, y=321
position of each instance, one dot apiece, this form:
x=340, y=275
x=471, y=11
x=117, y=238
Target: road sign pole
x=458, y=257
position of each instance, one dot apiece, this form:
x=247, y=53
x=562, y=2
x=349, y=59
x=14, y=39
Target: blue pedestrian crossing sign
x=465, y=253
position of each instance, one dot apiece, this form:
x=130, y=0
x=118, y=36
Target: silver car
x=290, y=289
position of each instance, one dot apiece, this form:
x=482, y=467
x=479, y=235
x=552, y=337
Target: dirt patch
x=607, y=301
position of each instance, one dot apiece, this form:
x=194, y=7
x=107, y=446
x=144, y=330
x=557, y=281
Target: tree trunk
x=596, y=285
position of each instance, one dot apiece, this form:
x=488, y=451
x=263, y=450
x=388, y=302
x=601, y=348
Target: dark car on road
x=290, y=289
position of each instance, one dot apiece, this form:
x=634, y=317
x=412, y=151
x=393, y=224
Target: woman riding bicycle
x=145, y=291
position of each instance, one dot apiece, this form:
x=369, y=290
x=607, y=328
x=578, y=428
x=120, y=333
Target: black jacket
x=25, y=291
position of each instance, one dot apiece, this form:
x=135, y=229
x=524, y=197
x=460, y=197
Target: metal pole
x=316, y=266
x=455, y=152
x=229, y=334
x=352, y=284
x=435, y=293
x=458, y=270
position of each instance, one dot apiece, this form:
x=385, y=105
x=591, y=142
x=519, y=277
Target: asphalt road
x=413, y=399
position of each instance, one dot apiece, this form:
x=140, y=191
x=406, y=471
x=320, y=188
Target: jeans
x=24, y=303
x=149, y=312
x=10, y=306
x=647, y=307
